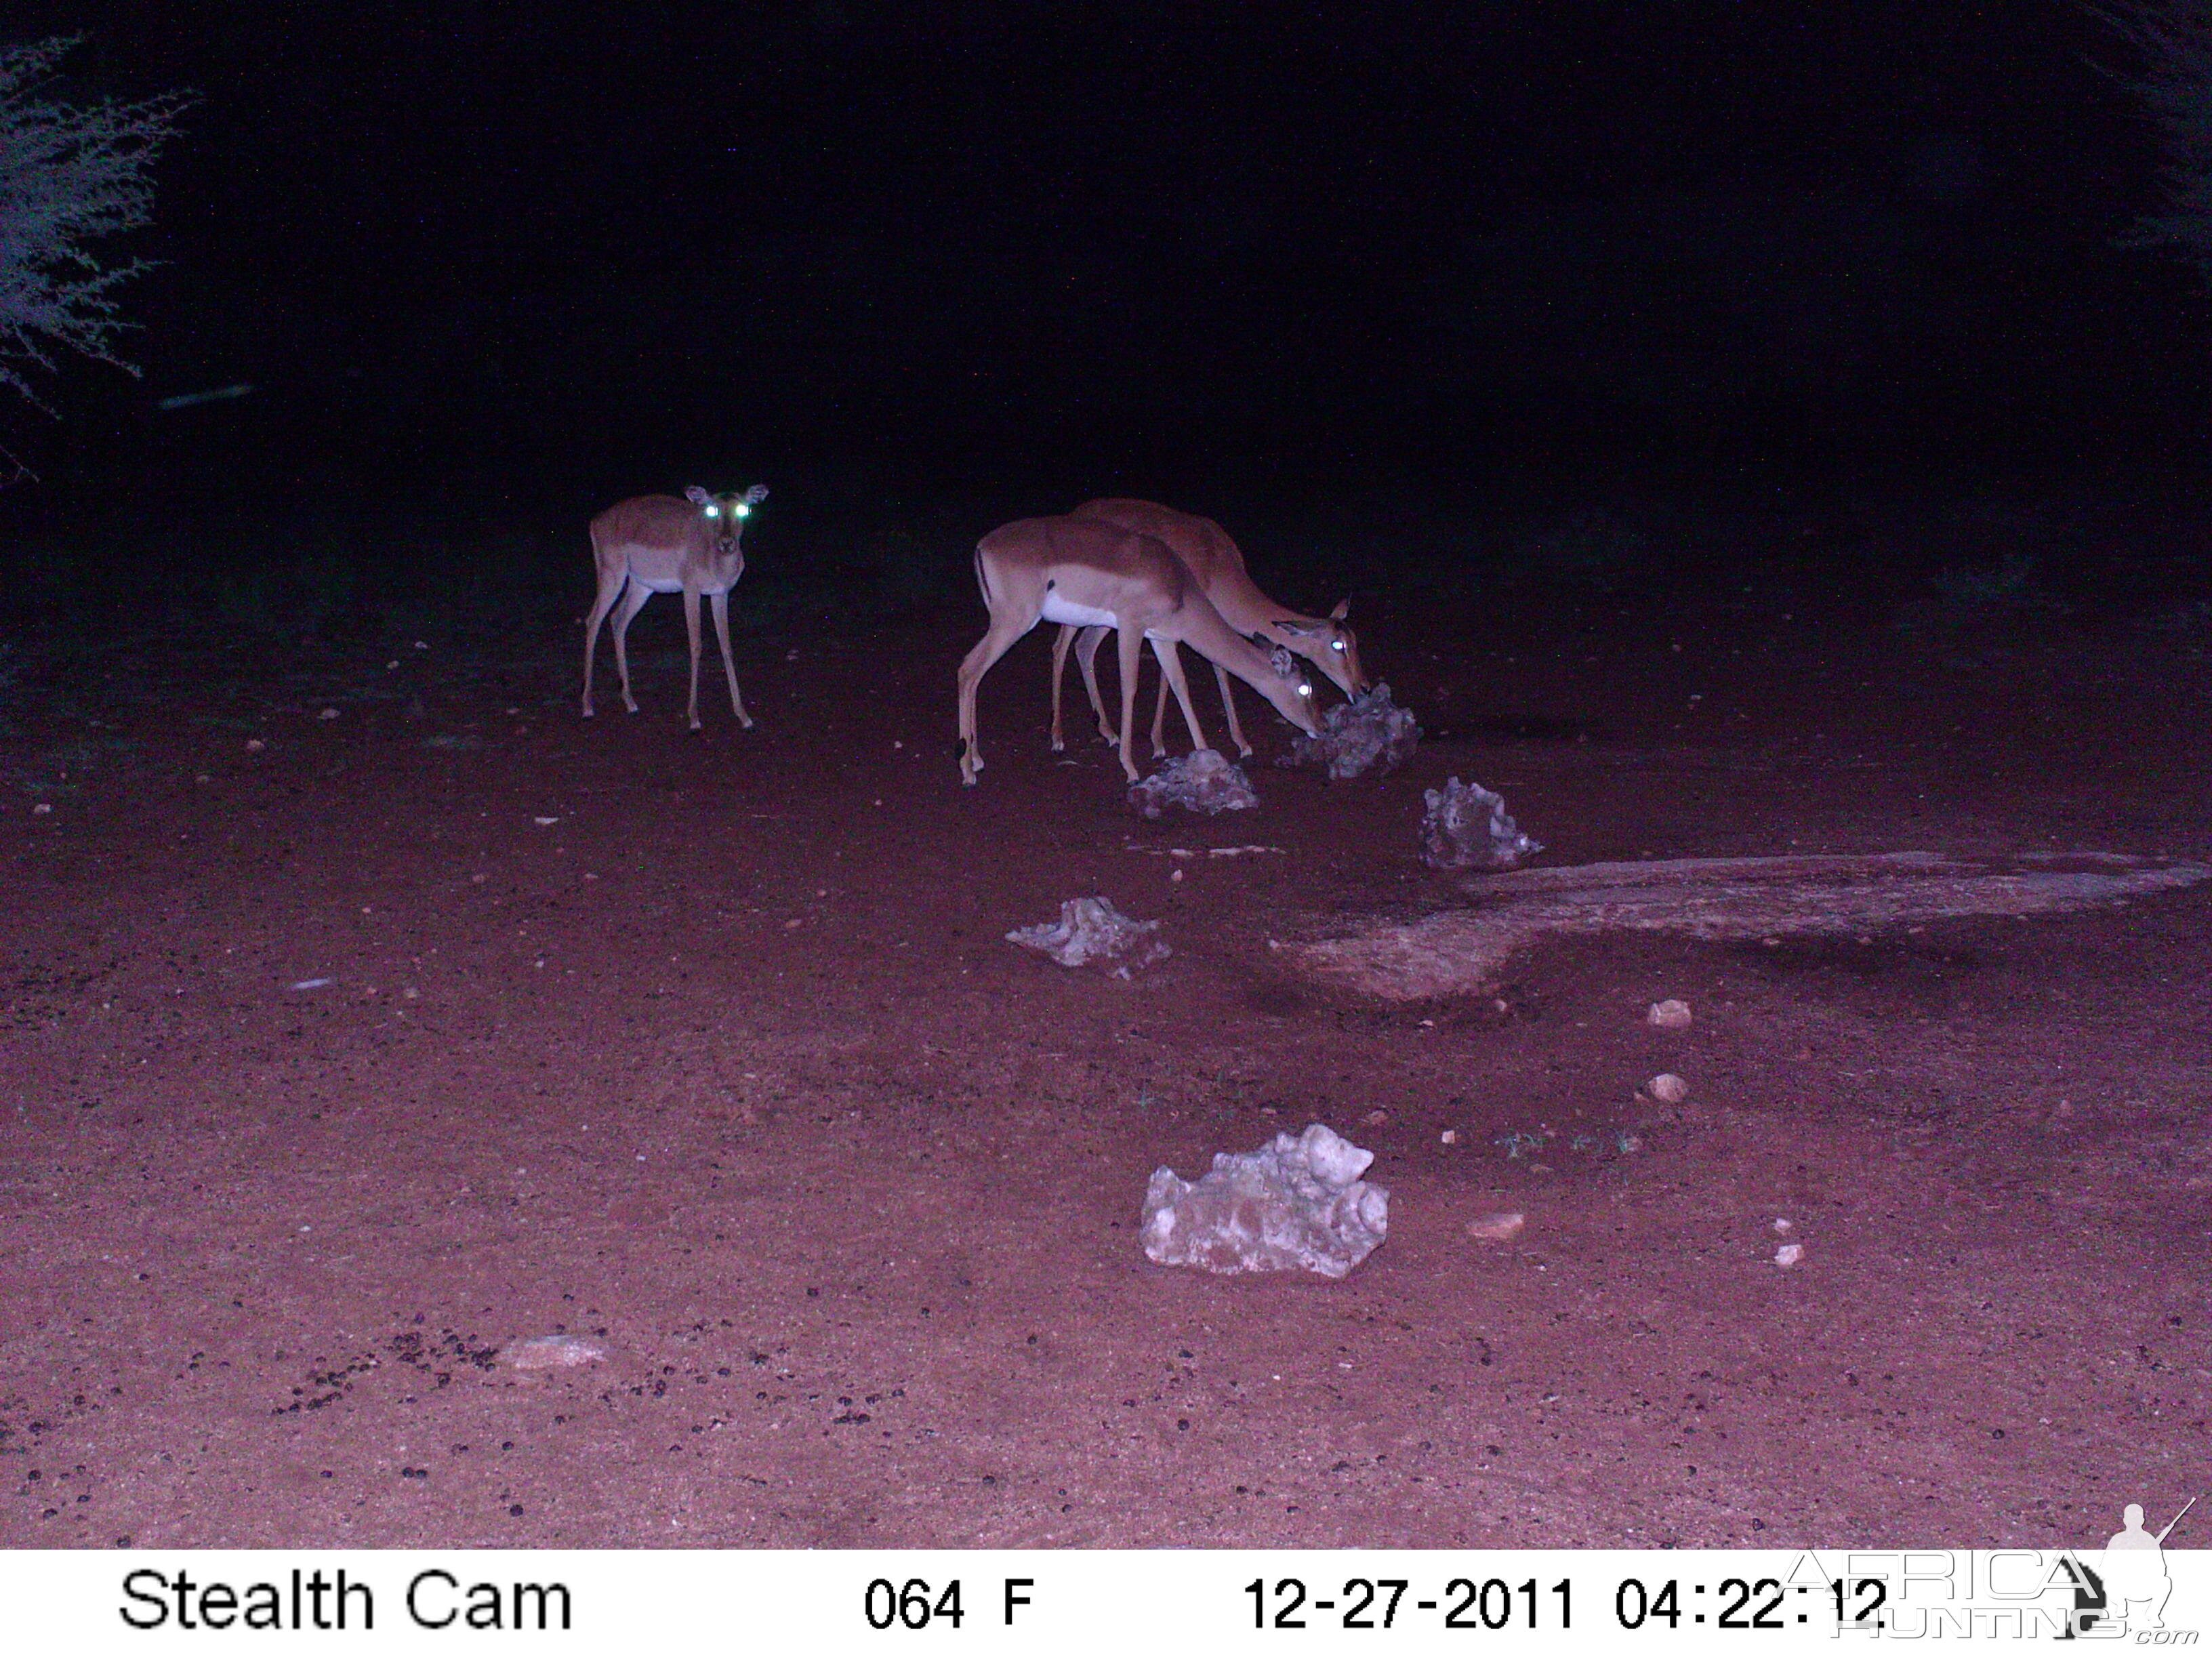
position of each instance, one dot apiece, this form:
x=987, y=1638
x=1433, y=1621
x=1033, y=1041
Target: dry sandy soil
x=368, y=1012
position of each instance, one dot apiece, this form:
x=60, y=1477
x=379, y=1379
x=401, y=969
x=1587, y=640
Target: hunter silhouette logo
x=2127, y=1590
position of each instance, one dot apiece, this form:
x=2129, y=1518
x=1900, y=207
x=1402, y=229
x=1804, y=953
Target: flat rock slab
x=1462, y=951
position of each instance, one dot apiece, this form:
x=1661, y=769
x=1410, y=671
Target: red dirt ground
x=711, y=1048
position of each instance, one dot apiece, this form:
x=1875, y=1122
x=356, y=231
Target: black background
x=1011, y=254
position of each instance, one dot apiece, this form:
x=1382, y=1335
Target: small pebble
x=1668, y=1088
x=1789, y=1255
x=1499, y=1228
x=1671, y=1015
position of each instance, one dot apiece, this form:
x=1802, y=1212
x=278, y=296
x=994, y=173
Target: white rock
x=1359, y=736
x=1668, y=1088
x=535, y=1353
x=1504, y=1227
x=1671, y=1015
x=1204, y=781
x=1789, y=1255
x=1090, y=929
x=1297, y=1202
x=1467, y=827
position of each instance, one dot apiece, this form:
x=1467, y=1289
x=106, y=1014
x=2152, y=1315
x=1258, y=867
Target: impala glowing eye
x=714, y=512
x=1304, y=690
x=743, y=511
x=1336, y=645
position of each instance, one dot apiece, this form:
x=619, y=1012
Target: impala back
x=1218, y=564
x=1202, y=545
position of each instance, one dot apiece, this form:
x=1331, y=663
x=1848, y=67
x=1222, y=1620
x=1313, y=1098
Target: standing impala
x=1086, y=573
x=661, y=544
x=1218, y=563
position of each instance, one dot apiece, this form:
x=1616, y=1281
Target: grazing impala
x=1218, y=563
x=1086, y=573
x=661, y=544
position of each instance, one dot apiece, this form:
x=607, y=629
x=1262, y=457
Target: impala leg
x=610, y=588
x=720, y=604
x=691, y=633
x=1086, y=657
x=997, y=641
x=1060, y=641
x=633, y=602
x=1171, y=672
x=1235, y=732
x=1162, y=649
x=1131, y=641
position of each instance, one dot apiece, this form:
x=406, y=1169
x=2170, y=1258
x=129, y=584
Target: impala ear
x=1343, y=609
x=757, y=493
x=1303, y=630
x=1283, y=662
x=697, y=496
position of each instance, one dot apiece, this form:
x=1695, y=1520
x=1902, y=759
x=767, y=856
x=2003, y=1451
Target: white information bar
x=627, y=1605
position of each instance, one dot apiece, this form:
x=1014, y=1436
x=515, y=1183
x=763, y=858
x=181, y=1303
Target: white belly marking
x=1058, y=609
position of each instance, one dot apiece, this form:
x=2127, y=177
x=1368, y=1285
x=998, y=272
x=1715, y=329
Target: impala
x=1086, y=573
x=664, y=544
x=1218, y=564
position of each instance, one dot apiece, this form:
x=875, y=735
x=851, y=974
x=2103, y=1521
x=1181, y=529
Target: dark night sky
x=1150, y=241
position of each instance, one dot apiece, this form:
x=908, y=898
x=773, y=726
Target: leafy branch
x=70, y=174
